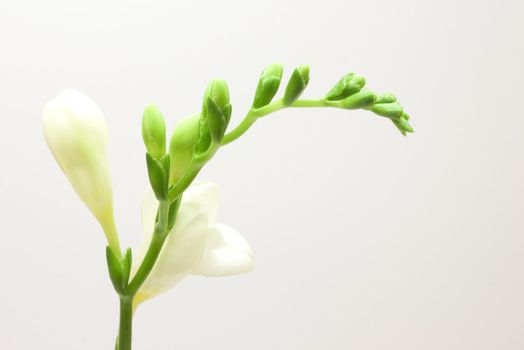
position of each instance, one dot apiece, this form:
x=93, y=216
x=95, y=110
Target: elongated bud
x=216, y=109
x=154, y=131
x=362, y=99
x=182, y=146
x=391, y=110
x=386, y=98
x=268, y=85
x=348, y=85
x=403, y=125
x=76, y=133
x=297, y=84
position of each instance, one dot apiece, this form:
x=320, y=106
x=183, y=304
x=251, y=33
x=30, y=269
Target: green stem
x=126, y=301
x=125, y=331
x=310, y=103
x=252, y=116
x=157, y=241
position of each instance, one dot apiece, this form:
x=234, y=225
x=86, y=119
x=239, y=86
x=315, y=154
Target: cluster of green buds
x=194, y=141
x=349, y=93
x=197, y=137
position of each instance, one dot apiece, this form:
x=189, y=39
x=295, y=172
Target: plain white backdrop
x=364, y=239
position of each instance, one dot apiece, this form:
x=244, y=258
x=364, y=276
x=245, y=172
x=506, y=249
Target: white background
x=364, y=239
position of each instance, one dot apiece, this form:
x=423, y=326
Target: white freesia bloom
x=76, y=133
x=196, y=244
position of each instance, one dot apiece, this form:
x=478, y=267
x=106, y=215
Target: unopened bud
x=297, y=84
x=216, y=109
x=390, y=110
x=182, y=146
x=403, y=125
x=386, y=98
x=348, y=85
x=362, y=99
x=268, y=85
x=154, y=131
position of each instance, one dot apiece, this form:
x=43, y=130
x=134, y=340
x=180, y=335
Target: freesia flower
x=196, y=245
x=75, y=131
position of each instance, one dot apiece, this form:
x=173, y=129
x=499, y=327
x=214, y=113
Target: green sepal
x=268, y=85
x=348, y=85
x=403, y=125
x=227, y=110
x=127, y=263
x=296, y=85
x=362, y=99
x=165, y=161
x=390, y=110
x=216, y=120
x=119, y=269
x=204, y=136
x=171, y=217
x=158, y=177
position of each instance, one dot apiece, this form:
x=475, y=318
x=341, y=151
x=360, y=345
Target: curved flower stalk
x=181, y=235
x=195, y=245
x=76, y=132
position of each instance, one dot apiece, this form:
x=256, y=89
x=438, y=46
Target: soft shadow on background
x=364, y=239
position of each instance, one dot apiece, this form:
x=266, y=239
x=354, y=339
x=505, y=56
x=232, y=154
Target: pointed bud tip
x=154, y=131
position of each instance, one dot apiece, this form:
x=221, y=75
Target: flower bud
x=386, y=98
x=182, y=146
x=403, y=125
x=154, y=131
x=362, y=99
x=297, y=84
x=346, y=86
x=216, y=109
x=76, y=132
x=268, y=85
x=390, y=110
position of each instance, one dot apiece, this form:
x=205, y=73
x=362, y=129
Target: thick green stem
x=126, y=300
x=125, y=331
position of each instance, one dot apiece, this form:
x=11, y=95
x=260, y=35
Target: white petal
x=182, y=251
x=205, y=194
x=76, y=133
x=202, y=193
x=149, y=209
x=227, y=253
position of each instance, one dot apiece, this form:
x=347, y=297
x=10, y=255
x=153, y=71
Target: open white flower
x=76, y=133
x=196, y=244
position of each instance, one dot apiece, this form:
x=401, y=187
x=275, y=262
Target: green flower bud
x=182, y=146
x=403, y=125
x=362, y=99
x=390, y=110
x=348, y=85
x=268, y=85
x=216, y=109
x=386, y=98
x=297, y=84
x=154, y=131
